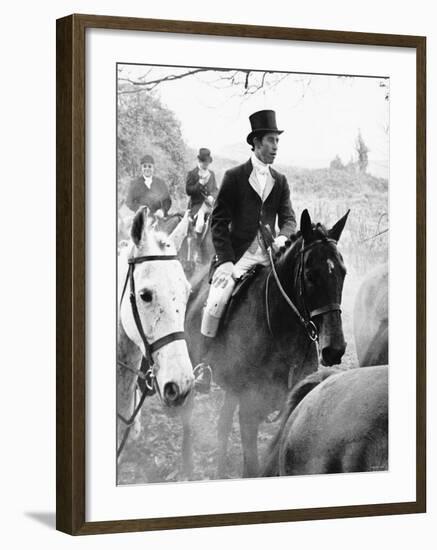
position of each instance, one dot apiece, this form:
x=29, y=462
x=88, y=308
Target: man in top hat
x=148, y=190
x=252, y=197
x=201, y=187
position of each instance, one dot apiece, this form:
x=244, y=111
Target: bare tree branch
x=150, y=84
x=250, y=81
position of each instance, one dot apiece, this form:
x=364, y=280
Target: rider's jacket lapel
x=253, y=181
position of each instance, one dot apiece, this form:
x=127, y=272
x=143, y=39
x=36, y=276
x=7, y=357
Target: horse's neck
x=281, y=314
x=288, y=268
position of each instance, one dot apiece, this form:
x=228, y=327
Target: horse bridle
x=149, y=377
x=149, y=348
x=307, y=322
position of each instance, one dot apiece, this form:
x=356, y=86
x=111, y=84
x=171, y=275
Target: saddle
x=241, y=288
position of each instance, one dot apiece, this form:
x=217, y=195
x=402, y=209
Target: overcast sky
x=320, y=114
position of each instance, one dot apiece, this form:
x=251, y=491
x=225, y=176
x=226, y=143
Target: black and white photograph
x=252, y=273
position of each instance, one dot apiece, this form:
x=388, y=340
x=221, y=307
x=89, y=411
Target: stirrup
x=202, y=378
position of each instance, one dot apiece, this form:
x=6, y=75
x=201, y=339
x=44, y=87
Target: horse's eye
x=146, y=295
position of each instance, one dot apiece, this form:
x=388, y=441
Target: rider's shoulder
x=159, y=181
x=237, y=170
x=278, y=175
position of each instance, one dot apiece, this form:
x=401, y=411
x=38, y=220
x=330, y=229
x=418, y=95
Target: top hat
x=147, y=159
x=262, y=121
x=204, y=154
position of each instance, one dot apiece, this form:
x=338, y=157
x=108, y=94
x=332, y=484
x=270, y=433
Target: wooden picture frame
x=71, y=288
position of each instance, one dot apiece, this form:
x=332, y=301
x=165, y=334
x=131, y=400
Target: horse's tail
x=302, y=388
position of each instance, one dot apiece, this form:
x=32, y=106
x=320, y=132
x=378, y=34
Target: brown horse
x=335, y=421
x=264, y=347
x=371, y=318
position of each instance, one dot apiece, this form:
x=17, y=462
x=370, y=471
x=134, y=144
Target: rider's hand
x=222, y=274
x=209, y=200
x=279, y=242
x=159, y=213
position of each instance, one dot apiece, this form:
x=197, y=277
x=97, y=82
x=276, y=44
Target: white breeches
x=219, y=294
x=200, y=220
x=248, y=260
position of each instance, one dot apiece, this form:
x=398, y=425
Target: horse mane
x=319, y=232
x=301, y=390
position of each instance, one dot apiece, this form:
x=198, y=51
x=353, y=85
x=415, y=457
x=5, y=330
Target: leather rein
x=149, y=348
x=307, y=320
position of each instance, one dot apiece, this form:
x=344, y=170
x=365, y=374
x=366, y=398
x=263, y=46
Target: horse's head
x=161, y=294
x=321, y=275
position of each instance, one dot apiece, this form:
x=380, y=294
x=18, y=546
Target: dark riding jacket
x=197, y=192
x=154, y=198
x=239, y=209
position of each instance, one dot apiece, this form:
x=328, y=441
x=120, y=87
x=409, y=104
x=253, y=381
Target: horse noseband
x=325, y=309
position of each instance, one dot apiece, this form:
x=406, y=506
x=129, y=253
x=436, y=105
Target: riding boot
x=203, y=378
x=199, y=248
x=202, y=372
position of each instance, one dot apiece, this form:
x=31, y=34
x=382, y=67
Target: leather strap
x=308, y=324
x=167, y=339
x=151, y=258
x=136, y=315
x=318, y=241
x=325, y=309
x=154, y=346
x=149, y=348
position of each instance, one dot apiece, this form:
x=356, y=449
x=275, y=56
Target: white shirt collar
x=258, y=165
x=203, y=171
x=148, y=181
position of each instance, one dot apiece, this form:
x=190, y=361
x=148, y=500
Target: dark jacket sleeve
x=131, y=198
x=212, y=184
x=220, y=220
x=192, y=185
x=286, y=215
x=165, y=198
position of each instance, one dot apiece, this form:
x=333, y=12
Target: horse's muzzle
x=332, y=355
x=172, y=395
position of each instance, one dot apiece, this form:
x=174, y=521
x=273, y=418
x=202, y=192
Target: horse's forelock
x=320, y=231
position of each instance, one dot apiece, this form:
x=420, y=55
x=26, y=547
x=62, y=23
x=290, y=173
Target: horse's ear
x=306, y=227
x=180, y=231
x=336, y=231
x=138, y=225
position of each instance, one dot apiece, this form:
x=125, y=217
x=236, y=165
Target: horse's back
x=371, y=318
x=236, y=365
x=340, y=426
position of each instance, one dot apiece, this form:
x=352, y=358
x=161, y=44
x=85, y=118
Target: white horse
x=371, y=318
x=161, y=290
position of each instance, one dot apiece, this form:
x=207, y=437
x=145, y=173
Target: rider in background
x=149, y=190
x=201, y=187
